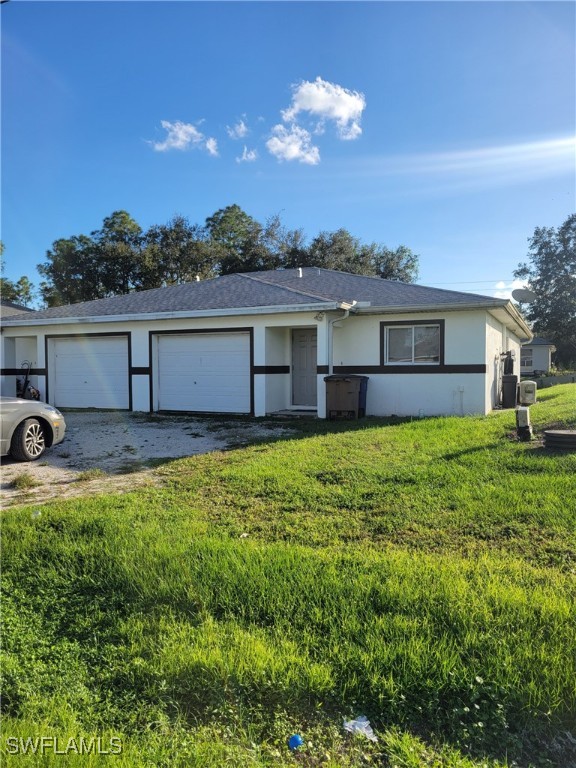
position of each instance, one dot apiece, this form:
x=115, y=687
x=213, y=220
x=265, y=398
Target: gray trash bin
x=345, y=396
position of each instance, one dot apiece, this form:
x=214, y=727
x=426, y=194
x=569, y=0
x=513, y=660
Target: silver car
x=28, y=427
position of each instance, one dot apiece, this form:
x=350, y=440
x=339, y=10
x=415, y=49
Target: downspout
x=331, y=324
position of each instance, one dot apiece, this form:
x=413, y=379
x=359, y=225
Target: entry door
x=304, y=378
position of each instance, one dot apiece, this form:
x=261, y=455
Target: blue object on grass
x=295, y=741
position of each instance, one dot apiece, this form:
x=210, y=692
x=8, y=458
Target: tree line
x=121, y=257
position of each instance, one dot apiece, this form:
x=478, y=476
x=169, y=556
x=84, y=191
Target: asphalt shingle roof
x=538, y=341
x=273, y=288
x=342, y=286
x=10, y=309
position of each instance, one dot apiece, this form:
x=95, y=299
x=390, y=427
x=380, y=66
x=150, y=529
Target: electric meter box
x=522, y=416
x=527, y=392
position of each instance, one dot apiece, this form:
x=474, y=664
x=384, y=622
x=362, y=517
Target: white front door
x=204, y=372
x=304, y=362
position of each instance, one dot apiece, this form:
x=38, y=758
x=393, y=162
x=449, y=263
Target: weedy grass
x=90, y=474
x=24, y=481
x=420, y=573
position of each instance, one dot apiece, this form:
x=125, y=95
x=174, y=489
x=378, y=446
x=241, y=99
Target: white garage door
x=207, y=372
x=91, y=372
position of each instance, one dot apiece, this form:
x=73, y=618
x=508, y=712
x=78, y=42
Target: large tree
x=20, y=291
x=399, y=264
x=341, y=251
x=106, y=263
x=240, y=240
x=551, y=274
x=72, y=272
x=177, y=252
x=119, y=249
x=337, y=250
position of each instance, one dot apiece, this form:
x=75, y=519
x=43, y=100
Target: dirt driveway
x=116, y=451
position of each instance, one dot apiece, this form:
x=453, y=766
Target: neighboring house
x=262, y=342
x=536, y=356
x=10, y=308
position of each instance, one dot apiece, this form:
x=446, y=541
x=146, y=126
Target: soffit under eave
x=516, y=324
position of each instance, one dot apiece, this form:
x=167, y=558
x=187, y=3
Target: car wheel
x=28, y=441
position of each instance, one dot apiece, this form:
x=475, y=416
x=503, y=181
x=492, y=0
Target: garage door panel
x=204, y=372
x=91, y=373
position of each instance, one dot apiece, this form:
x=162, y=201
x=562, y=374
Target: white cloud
x=182, y=136
x=328, y=101
x=237, y=131
x=212, y=147
x=293, y=144
x=248, y=156
x=504, y=290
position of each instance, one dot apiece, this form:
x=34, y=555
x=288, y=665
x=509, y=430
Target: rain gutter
x=182, y=314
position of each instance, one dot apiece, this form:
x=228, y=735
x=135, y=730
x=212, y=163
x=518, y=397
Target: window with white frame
x=526, y=358
x=418, y=344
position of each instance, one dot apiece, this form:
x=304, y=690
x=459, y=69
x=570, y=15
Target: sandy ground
x=123, y=446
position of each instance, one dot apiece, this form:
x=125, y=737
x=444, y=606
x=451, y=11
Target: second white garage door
x=91, y=372
x=205, y=372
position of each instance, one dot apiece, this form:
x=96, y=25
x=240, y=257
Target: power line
x=469, y=282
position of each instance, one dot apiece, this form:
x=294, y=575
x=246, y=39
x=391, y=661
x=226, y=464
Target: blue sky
x=448, y=127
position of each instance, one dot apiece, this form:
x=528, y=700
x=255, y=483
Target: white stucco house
x=259, y=343
x=536, y=356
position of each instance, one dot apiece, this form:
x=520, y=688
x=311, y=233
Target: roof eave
x=507, y=311
x=177, y=315
x=513, y=320
x=395, y=309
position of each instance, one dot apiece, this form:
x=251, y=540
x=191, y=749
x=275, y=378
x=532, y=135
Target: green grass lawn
x=421, y=573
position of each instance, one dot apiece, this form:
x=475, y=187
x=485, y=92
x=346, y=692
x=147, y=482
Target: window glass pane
x=426, y=344
x=399, y=345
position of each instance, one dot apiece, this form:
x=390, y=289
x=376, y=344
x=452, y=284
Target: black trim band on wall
x=322, y=369
x=142, y=371
x=421, y=369
x=271, y=369
x=22, y=371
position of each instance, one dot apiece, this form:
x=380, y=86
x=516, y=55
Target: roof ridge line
x=401, y=282
x=250, y=276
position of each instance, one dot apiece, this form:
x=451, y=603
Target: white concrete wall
x=495, y=347
x=277, y=385
x=499, y=341
x=8, y=360
x=425, y=394
x=274, y=391
x=15, y=350
x=356, y=343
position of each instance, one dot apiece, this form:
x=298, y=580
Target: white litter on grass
x=360, y=725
